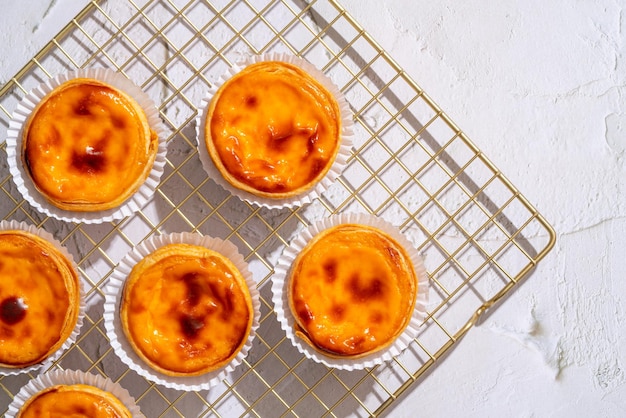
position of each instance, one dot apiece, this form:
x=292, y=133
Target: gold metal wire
x=480, y=237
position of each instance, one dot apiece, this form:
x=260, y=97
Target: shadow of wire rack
x=410, y=165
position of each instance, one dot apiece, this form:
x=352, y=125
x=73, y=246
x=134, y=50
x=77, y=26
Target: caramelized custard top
x=186, y=309
x=74, y=401
x=273, y=129
x=352, y=290
x=34, y=299
x=87, y=144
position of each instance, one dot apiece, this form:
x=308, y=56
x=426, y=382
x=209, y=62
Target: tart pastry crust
x=74, y=400
x=273, y=130
x=39, y=299
x=186, y=310
x=352, y=291
x=87, y=146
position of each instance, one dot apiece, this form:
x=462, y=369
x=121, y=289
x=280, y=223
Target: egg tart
x=77, y=400
x=186, y=310
x=39, y=299
x=87, y=146
x=352, y=291
x=273, y=130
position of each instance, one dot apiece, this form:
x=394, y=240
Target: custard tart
x=39, y=298
x=352, y=291
x=186, y=310
x=273, y=130
x=87, y=146
x=77, y=400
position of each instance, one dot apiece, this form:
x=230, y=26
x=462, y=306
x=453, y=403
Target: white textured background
x=540, y=87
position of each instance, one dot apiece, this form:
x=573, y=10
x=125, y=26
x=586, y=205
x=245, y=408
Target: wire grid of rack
x=410, y=165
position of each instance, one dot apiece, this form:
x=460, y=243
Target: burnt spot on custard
x=6, y=332
x=12, y=310
x=337, y=312
x=279, y=187
x=304, y=312
x=363, y=289
x=317, y=166
x=312, y=141
x=27, y=332
x=376, y=317
x=91, y=161
x=330, y=270
x=82, y=107
x=194, y=289
x=354, y=343
x=225, y=299
x=50, y=315
x=118, y=123
x=278, y=140
x=251, y=102
x=191, y=325
x=54, y=137
x=91, y=96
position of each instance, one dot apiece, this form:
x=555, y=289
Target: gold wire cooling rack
x=410, y=165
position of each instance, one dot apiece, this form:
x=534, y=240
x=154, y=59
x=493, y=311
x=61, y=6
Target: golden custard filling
x=39, y=299
x=76, y=401
x=88, y=146
x=186, y=310
x=273, y=129
x=352, y=290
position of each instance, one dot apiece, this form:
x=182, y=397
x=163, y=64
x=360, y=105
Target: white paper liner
x=346, y=135
x=72, y=377
x=25, y=184
x=15, y=225
x=113, y=295
x=280, y=292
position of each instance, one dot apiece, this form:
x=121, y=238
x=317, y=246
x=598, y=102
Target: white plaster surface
x=540, y=87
